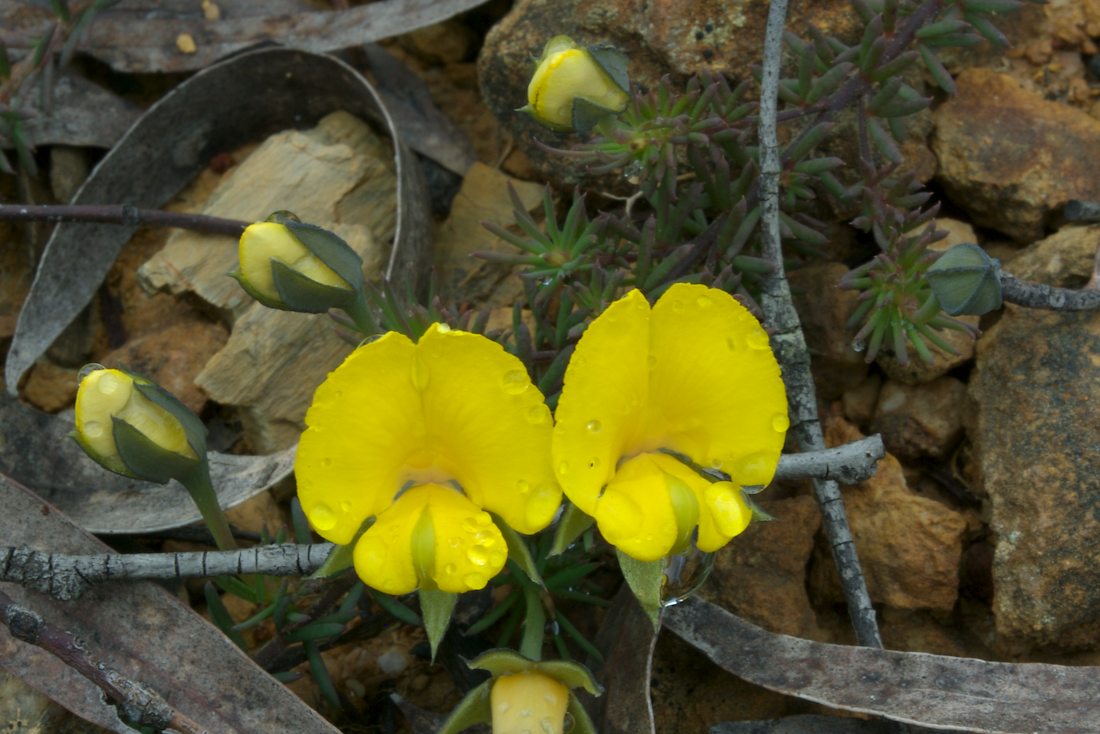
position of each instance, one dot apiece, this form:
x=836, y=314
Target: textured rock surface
x=761, y=575
x=1065, y=258
x=1037, y=442
x=1010, y=157
x=920, y=421
x=824, y=308
x=909, y=546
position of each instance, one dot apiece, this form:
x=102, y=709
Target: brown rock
x=824, y=309
x=1064, y=259
x=921, y=421
x=761, y=574
x=257, y=515
x=49, y=386
x=173, y=356
x=1036, y=439
x=1010, y=157
x=909, y=546
x=859, y=402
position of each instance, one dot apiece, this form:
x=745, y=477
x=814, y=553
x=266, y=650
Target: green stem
x=534, y=624
x=202, y=492
x=361, y=315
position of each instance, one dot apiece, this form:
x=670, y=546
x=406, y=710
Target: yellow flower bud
x=528, y=702
x=297, y=267
x=573, y=85
x=107, y=395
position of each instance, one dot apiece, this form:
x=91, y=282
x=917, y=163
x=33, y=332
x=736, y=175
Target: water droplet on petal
x=469, y=525
x=526, y=713
x=477, y=555
x=755, y=468
x=108, y=384
x=449, y=569
x=419, y=375
x=87, y=370
x=483, y=519
x=327, y=461
x=563, y=468
x=93, y=429
x=442, y=328
x=546, y=725
x=322, y=517
x=569, y=723
x=677, y=305
x=454, y=542
x=594, y=426
x=515, y=382
x=537, y=415
x=780, y=422
x=345, y=507
x=523, y=486
x=703, y=302
x=732, y=343
x=758, y=339
x=474, y=581
x=503, y=706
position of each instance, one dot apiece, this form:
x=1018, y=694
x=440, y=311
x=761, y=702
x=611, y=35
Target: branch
x=121, y=214
x=851, y=463
x=66, y=577
x=1040, y=295
x=790, y=343
x=137, y=703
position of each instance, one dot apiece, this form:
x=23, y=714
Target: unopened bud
x=574, y=87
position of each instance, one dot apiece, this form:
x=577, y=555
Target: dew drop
x=327, y=461
x=496, y=559
x=419, y=375
x=93, y=429
x=546, y=725
x=755, y=468
x=703, y=302
x=678, y=306
x=322, y=517
x=449, y=569
x=87, y=370
x=569, y=723
x=345, y=507
x=594, y=426
x=563, y=468
x=442, y=328
x=758, y=339
x=526, y=714
x=469, y=525
x=108, y=384
x=514, y=382
x=483, y=519
x=477, y=555
x=537, y=415
x=551, y=699
x=731, y=343
x=780, y=422
x=474, y=581
x=858, y=345
x=503, y=707
x=454, y=542
x=523, y=487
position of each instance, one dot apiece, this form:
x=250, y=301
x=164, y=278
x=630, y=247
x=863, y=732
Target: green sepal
x=759, y=514
x=193, y=427
x=500, y=661
x=582, y=722
x=587, y=114
x=613, y=62
x=519, y=553
x=332, y=250
x=146, y=460
x=966, y=280
x=645, y=579
x=474, y=708
x=342, y=556
x=301, y=294
x=572, y=525
x=571, y=675
x=436, y=608
x=110, y=463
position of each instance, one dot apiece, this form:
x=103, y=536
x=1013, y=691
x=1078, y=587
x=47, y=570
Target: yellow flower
x=292, y=266
x=568, y=74
x=110, y=401
x=427, y=438
x=528, y=702
x=693, y=376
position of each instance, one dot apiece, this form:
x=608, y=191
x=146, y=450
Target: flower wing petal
x=635, y=512
x=716, y=393
x=430, y=532
x=603, y=402
x=363, y=424
x=488, y=427
x=723, y=514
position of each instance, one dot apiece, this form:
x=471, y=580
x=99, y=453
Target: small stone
x=1011, y=157
x=824, y=309
x=1063, y=259
x=910, y=547
x=921, y=421
x=859, y=402
x=49, y=386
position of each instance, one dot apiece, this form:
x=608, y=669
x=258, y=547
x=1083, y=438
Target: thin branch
x=66, y=577
x=790, y=343
x=1040, y=295
x=851, y=463
x=137, y=703
x=121, y=214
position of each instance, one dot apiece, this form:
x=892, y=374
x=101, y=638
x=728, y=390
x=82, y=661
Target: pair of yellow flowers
x=430, y=437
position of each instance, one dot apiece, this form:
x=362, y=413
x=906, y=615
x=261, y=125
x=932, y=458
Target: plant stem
x=789, y=341
x=206, y=499
x=120, y=214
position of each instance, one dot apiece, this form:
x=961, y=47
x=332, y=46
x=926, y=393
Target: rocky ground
x=977, y=534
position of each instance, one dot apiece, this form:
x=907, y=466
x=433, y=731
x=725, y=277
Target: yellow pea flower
x=573, y=85
x=427, y=438
x=692, y=376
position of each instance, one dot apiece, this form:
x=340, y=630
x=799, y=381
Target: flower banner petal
x=635, y=513
x=430, y=532
x=488, y=427
x=364, y=422
x=716, y=394
x=600, y=411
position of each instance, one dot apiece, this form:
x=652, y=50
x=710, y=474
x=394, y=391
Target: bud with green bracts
x=292, y=266
x=966, y=280
x=132, y=426
x=574, y=87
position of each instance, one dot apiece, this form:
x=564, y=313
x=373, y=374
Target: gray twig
x=120, y=214
x=137, y=703
x=790, y=343
x=68, y=576
x=851, y=463
x=1040, y=295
